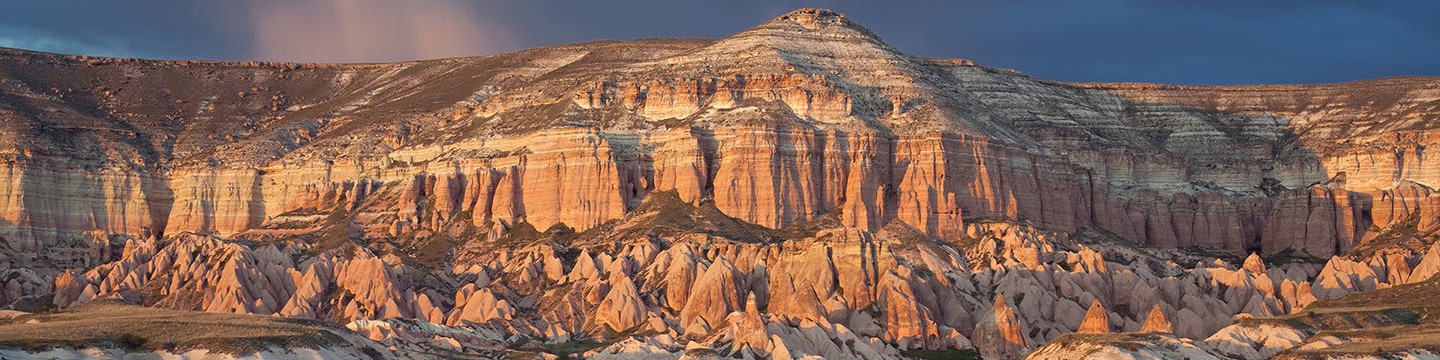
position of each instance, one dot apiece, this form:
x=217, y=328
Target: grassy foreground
x=104, y=323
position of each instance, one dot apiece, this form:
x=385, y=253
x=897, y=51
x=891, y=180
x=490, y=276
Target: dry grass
x=947, y=354
x=104, y=323
x=663, y=213
x=1375, y=322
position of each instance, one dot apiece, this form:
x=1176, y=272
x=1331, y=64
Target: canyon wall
x=773, y=176
x=818, y=120
x=674, y=187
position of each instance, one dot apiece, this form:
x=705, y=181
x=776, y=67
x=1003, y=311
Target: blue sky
x=1187, y=42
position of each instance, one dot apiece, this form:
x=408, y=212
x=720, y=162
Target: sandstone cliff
x=887, y=198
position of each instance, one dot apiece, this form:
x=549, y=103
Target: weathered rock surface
x=1001, y=335
x=745, y=297
x=1156, y=322
x=863, y=201
x=90, y=332
x=1122, y=346
x=1097, y=321
x=823, y=119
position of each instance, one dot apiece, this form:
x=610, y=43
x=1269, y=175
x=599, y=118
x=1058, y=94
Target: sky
x=1182, y=42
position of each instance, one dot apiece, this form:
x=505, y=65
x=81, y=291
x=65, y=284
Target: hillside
x=797, y=188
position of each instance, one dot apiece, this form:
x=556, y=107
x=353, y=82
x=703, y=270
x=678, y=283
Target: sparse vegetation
x=947, y=354
x=1403, y=232
x=106, y=323
x=572, y=349
x=1291, y=256
x=336, y=231
x=1395, y=318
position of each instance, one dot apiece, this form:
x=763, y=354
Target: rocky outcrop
x=1156, y=322
x=1320, y=221
x=1001, y=335
x=693, y=287
x=772, y=177
x=1123, y=346
x=88, y=331
x=715, y=294
x=622, y=308
x=823, y=119
x=799, y=188
x=480, y=306
x=670, y=98
x=1097, y=321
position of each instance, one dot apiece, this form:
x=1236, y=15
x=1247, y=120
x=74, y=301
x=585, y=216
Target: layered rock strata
x=796, y=159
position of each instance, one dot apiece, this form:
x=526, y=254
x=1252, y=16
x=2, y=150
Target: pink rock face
x=870, y=201
x=906, y=316
x=1317, y=221
x=1254, y=264
x=809, y=96
x=790, y=164
x=479, y=306
x=224, y=202
x=579, y=187
x=927, y=200
x=806, y=282
x=622, y=309
x=1097, y=321
x=1156, y=322
x=376, y=294
x=714, y=294
x=49, y=203
x=1001, y=336
x=694, y=287
x=683, y=162
x=67, y=289
x=771, y=177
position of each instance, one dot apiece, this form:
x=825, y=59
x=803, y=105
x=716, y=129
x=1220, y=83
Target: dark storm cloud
x=1194, y=42
x=145, y=28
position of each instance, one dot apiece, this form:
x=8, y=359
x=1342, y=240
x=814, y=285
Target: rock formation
x=1097, y=321
x=1001, y=335
x=1123, y=346
x=797, y=189
x=1156, y=322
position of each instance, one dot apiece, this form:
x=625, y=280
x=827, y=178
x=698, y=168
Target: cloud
x=371, y=31
x=1229, y=41
x=21, y=38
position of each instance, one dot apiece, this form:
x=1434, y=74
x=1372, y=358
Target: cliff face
x=803, y=124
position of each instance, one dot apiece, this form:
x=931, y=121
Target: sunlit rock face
x=864, y=201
